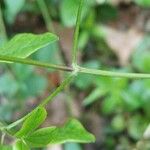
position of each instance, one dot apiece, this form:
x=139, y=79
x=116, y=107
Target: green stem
x=35, y=63
x=113, y=74
x=45, y=101
x=76, y=34
x=2, y=26
x=76, y=69
x=46, y=16
x=58, y=90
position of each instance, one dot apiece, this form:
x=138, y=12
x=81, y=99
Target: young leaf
x=23, y=45
x=72, y=131
x=32, y=122
x=20, y=145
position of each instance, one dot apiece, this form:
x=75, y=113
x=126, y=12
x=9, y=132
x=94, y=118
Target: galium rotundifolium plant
x=30, y=135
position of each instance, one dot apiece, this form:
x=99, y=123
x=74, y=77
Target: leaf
x=23, y=45
x=32, y=122
x=72, y=131
x=141, y=57
x=5, y=147
x=69, y=9
x=135, y=127
x=20, y=145
x=93, y=96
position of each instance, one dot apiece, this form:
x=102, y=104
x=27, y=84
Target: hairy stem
x=2, y=26
x=45, y=101
x=76, y=34
x=45, y=13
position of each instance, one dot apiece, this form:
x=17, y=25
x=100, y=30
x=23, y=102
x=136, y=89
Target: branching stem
x=45, y=101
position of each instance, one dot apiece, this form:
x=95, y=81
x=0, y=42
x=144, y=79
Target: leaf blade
x=72, y=131
x=32, y=122
x=20, y=145
x=25, y=44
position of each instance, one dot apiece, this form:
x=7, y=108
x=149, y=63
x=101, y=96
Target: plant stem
x=45, y=13
x=77, y=69
x=58, y=90
x=45, y=101
x=2, y=26
x=35, y=63
x=76, y=34
x=113, y=74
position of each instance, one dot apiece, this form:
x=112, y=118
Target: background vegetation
x=114, y=36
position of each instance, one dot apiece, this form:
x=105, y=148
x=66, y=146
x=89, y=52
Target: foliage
x=125, y=105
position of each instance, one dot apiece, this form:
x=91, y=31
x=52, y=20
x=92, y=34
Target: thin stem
x=58, y=90
x=2, y=26
x=77, y=69
x=45, y=101
x=45, y=13
x=35, y=63
x=113, y=74
x=76, y=34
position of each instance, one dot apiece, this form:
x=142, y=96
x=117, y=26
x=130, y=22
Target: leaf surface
x=20, y=145
x=23, y=45
x=72, y=131
x=36, y=118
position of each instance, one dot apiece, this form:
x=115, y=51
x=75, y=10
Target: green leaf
x=5, y=147
x=32, y=122
x=69, y=9
x=23, y=45
x=141, y=57
x=93, y=96
x=72, y=131
x=20, y=145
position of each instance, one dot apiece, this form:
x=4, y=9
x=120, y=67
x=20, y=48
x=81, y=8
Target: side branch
x=78, y=69
x=45, y=101
x=34, y=63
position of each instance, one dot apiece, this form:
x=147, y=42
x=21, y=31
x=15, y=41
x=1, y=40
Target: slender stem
x=45, y=101
x=113, y=74
x=35, y=63
x=58, y=90
x=77, y=69
x=2, y=26
x=76, y=34
x=45, y=13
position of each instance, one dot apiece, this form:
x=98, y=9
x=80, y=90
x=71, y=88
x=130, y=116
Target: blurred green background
x=115, y=35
